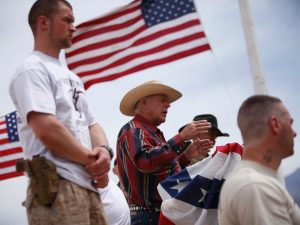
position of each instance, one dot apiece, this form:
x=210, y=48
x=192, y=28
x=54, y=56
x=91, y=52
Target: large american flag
x=10, y=148
x=140, y=35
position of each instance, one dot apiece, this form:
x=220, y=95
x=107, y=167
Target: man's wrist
x=109, y=149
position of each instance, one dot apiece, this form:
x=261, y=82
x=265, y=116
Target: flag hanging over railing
x=191, y=196
x=10, y=147
x=140, y=35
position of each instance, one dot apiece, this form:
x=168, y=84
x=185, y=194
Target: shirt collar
x=145, y=122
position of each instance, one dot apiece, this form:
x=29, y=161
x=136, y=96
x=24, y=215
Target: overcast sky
x=216, y=81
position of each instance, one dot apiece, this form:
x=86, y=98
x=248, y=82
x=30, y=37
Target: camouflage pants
x=73, y=205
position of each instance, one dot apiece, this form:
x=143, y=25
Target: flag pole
x=253, y=53
x=254, y=59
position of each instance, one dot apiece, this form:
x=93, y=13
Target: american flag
x=140, y=35
x=10, y=148
x=192, y=195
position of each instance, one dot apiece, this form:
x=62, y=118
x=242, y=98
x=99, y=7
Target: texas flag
x=192, y=195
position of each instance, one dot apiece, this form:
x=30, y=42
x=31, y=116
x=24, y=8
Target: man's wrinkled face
x=157, y=108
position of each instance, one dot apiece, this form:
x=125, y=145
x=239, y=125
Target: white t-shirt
x=42, y=84
x=115, y=205
x=253, y=195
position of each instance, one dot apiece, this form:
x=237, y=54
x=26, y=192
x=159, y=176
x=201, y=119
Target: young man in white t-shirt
x=56, y=123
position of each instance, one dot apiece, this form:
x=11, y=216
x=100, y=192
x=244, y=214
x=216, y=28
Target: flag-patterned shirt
x=145, y=158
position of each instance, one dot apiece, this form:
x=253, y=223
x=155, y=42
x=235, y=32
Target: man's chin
x=158, y=122
x=290, y=153
x=66, y=44
x=163, y=120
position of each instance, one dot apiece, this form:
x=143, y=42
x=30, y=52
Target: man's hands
x=193, y=129
x=198, y=149
x=99, y=166
x=61, y=142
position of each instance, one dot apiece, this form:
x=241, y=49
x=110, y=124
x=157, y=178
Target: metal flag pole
x=254, y=59
x=253, y=54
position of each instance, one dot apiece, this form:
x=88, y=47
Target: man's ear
x=43, y=22
x=144, y=104
x=274, y=124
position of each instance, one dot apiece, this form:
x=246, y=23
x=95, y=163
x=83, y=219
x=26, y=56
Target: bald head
x=254, y=114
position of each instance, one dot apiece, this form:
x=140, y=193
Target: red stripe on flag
x=110, y=17
x=4, y=141
x=152, y=63
x=138, y=42
x=164, y=220
x=3, y=131
x=107, y=29
x=228, y=148
x=9, y=163
x=92, y=59
x=102, y=44
x=11, y=175
x=11, y=151
x=117, y=39
x=167, y=31
x=156, y=49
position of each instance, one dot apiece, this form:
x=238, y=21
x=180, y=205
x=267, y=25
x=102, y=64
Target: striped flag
x=192, y=195
x=10, y=147
x=143, y=34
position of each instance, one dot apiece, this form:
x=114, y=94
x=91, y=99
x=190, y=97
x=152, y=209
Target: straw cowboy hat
x=127, y=105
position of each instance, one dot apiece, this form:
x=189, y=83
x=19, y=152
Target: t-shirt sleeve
x=32, y=91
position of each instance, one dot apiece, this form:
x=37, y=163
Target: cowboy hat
x=214, y=124
x=128, y=103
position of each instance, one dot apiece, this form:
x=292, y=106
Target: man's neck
x=47, y=48
x=263, y=155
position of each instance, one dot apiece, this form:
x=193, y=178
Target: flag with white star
x=10, y=147
x=192, y=195
x=135, y=37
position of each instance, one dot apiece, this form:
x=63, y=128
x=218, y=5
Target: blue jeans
x=145, y=218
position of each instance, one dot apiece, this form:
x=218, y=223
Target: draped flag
x=140, y=35
x=10, y=148
x=191, y=196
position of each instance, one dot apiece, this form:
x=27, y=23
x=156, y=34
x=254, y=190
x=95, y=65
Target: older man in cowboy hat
x=213, y=133
x=144, y=156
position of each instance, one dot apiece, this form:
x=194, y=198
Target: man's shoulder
x=128, y=127
x=31, y=62
x=247, y=178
